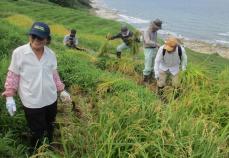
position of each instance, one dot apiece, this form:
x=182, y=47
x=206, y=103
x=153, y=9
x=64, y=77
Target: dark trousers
x=76, y=47
x=40, y=120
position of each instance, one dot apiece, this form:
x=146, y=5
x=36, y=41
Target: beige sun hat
x=170, y=43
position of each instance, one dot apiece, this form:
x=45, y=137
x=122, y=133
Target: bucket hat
x=157, y=23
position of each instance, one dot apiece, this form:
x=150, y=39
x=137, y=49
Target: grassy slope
x=126, y=120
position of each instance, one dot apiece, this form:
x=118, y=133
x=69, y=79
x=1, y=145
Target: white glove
x=156, y=76
x=65, y=96
x=183, y=68
x=158, y=45
x=10, y=105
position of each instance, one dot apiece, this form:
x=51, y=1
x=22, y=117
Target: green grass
x=121, y=117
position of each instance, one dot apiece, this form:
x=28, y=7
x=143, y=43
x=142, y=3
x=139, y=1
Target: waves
x=142, y=24
x=187, y=26
x=224, y=34
x=132, y=20
x=166, y=33
x=222, y=42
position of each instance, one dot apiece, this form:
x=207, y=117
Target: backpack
x=179, y=51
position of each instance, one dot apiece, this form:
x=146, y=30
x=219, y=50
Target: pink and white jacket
x=12, y=83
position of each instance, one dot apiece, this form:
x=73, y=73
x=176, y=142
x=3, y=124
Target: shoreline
x=195, y=45
x=102, y=11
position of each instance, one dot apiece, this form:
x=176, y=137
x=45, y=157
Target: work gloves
x=65, y=97
x=183, y=68
x=156, y=75
x=10, y=105
x=108, y=37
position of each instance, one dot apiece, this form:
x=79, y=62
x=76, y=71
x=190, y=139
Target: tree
x=72, y=3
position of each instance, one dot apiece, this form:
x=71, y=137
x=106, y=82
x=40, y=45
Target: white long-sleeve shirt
x=37, y=86
x=170, y=61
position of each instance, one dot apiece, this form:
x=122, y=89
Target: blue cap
x=40, y=29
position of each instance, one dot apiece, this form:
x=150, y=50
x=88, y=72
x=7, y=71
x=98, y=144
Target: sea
x=204, y=20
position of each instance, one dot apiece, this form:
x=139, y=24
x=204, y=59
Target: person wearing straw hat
x=150, y=45
x=170, y=57
x=33, y=73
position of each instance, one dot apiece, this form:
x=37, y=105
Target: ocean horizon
x=203, y=20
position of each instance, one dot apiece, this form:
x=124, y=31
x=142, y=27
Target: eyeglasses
x=37, y=37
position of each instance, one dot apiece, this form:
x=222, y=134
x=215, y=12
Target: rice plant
x=20, y=20
x=135, y=46
x=124, y=119
x=105, y=48
x=58, y=30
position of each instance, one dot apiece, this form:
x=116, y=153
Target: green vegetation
x=121, y=118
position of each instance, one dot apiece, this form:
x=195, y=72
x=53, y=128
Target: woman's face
x=37, y=42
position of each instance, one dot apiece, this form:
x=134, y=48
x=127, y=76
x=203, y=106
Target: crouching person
x=126, y=36
x=168, y=60
x=72, y=41
x=33, y=73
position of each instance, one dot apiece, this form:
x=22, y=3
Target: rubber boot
x=176, y=92
x=118, y=54
x=160, y=93
x=146, y=79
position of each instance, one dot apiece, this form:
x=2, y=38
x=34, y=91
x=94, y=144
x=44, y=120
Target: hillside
x=121, y=117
